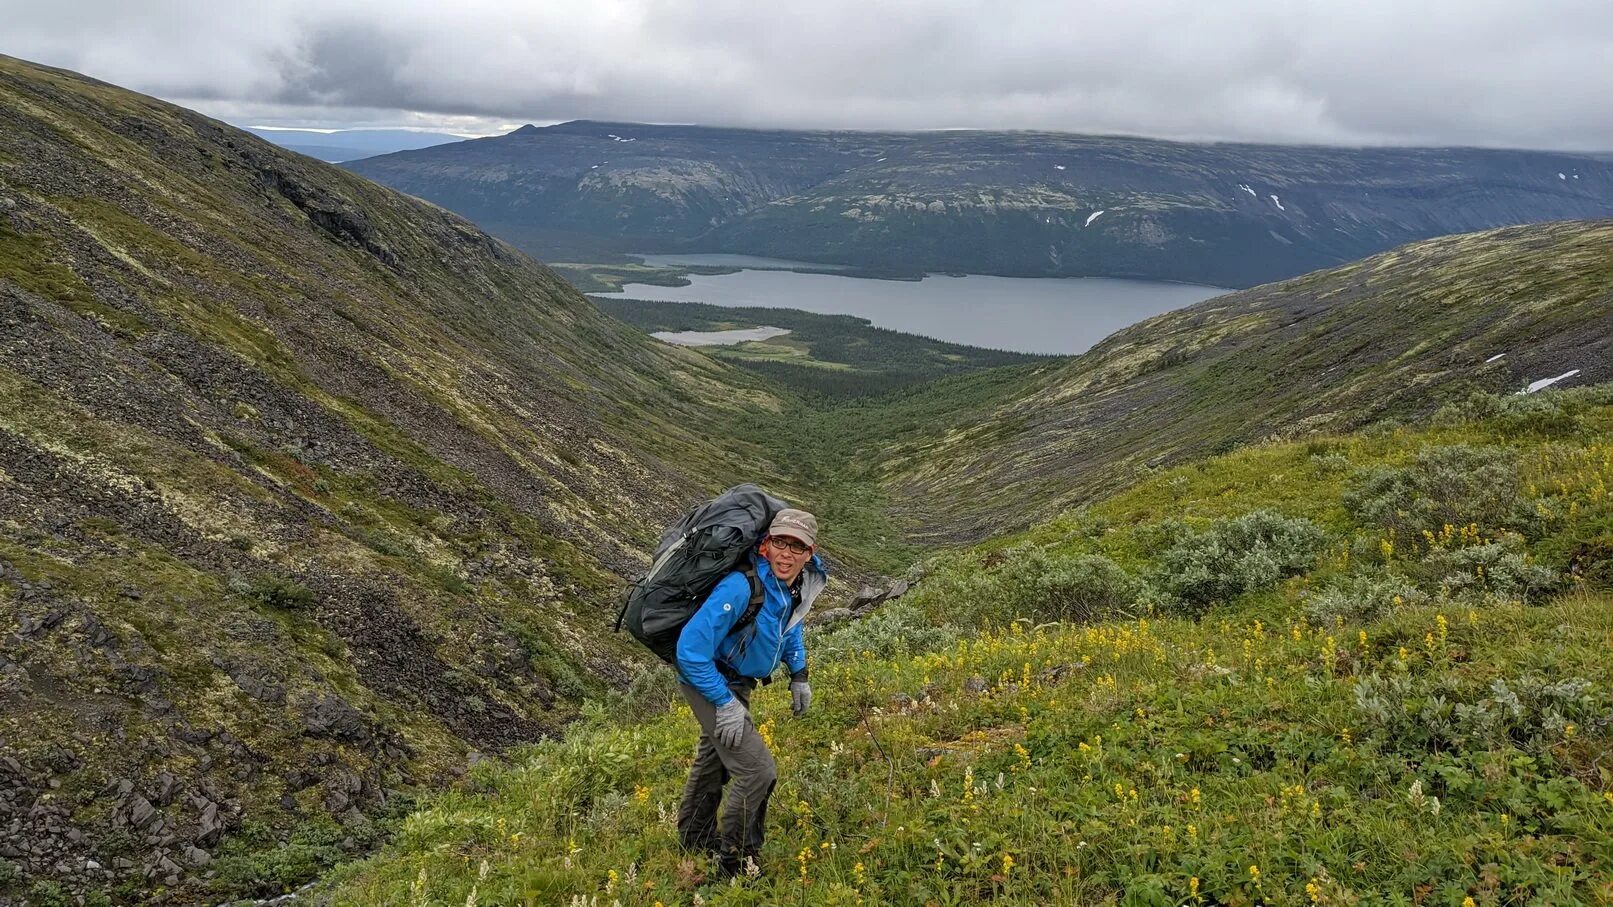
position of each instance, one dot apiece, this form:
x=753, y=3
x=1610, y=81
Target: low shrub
x=1330, y=463
x=1029, y=582
x=1432, y=714
x=1549, y=414
x=1501, y=567
x=1234, y=556
x=1451, y=485
x=894, y=630
x=275, y=591
x=1353, y=599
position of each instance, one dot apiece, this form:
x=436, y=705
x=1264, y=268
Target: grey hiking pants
x=749, y=767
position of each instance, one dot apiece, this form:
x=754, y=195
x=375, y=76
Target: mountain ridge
x=1012, y=203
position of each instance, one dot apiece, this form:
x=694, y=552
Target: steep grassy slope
x=306, y=489
x=1391, y=336
x=1396, y=692
x=1016, y=203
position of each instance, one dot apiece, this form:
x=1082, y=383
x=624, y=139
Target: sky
x=1504, y=73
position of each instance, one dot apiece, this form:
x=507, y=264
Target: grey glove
x=730, y=725
x=800, y=696
x=800, y=693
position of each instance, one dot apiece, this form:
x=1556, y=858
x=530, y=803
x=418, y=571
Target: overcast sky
x=1525, y=73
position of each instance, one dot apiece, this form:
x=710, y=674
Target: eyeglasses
x=788, y=544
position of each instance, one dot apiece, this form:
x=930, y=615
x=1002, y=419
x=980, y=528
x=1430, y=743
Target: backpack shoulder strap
x=757, y=596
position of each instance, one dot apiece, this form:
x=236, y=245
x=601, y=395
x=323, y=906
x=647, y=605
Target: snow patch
x=1061, y=167
x=1544, y=383
x=1493, y=358
x=1248, y=190
x=1561, y=177
x=1277, y=203
x=1092, y=217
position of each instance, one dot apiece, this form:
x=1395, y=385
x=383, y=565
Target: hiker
x=718, y=668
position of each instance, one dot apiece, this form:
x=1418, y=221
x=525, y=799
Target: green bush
x=275, y=591
x=894, y=630
x=1453, y=485
x=1234, y=556
x=1502, y=567
x=1028, y=582
x=1553, y=413
x=1330, y=463
x=1429, y=714
x=1359, y=598
x=49, y=894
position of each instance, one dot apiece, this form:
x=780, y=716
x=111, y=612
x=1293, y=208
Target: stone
x=141, y=813
x=166, y=785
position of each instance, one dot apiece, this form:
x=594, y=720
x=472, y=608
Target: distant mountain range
x=1014, y=203
x=351, y=144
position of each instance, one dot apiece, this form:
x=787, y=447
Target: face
x=787, y=556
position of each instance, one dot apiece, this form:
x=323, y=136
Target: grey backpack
x=694, y=554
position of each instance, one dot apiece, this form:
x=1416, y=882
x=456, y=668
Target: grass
x=965, y=747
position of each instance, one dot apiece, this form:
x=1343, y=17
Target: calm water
x=1031, y=315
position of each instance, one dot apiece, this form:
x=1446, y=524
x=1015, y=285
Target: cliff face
x=1025, y=204
x=307, y=489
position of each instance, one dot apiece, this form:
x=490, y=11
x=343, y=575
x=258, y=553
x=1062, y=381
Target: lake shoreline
x=1049, y=316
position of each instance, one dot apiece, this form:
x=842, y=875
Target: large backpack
x=694, y=554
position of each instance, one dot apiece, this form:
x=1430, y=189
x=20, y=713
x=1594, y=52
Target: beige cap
x=796, y=523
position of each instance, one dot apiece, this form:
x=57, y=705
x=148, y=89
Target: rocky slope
x=1027, y=204
x=307, y=490
x=1392, y=336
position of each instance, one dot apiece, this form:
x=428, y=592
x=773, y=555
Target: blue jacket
x=756, y=650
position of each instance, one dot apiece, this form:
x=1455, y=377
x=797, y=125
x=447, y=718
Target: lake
x=1025, y=314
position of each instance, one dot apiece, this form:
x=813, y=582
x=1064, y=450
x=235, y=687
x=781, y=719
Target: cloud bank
x=1471, y=72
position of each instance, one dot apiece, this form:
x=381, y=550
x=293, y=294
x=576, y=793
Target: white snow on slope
x=1277, y=203
x=1092, y=217
x=1544, y=383
x=1493, y=358
x=1561, y=177
x=1058, y=166
x=1248, y=190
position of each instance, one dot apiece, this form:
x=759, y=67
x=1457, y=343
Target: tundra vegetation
x=312, y=494
x=1303, y=672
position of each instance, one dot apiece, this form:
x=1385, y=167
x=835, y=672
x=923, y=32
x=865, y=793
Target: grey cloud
x=1489, y=72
